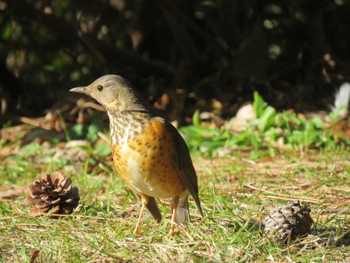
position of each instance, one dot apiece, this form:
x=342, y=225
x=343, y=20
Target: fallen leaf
x=11, y=192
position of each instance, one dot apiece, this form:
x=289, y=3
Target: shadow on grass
x=328, y=236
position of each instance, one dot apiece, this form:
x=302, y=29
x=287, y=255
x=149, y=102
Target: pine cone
x=52, y=192
x=289, y=222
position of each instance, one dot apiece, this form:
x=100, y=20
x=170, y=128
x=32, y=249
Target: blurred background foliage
x=295, y=53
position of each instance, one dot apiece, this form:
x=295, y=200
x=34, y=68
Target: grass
x=236, y=192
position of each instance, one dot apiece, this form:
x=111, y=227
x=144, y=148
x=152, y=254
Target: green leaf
x=205, y=140
x=6, y=32
x=267, y=119
x=77, y=131
x=259, y=104
x=92, y=133
x=317, y=122
x=196, y=119
x=102, y=149
x=296, y=138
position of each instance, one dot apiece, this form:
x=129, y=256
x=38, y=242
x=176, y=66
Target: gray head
x=114, y=93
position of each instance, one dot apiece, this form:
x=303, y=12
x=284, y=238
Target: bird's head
x=113, y=92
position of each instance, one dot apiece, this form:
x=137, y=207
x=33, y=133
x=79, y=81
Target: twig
x=282, y=196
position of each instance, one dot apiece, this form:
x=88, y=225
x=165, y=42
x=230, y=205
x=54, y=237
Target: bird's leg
x=144, y=201
x=173, y=217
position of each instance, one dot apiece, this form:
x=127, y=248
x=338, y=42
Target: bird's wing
x=183, y=163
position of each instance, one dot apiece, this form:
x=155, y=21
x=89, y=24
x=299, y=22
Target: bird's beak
x=81, y=90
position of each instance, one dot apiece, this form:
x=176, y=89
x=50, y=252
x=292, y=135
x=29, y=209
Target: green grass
x=236, y=192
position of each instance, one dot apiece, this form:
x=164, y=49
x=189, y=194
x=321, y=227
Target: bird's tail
x=153, y=208
x=182, y=211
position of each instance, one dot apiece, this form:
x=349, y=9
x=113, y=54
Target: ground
x=236, y=192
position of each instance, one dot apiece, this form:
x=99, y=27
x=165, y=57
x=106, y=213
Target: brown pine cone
x=52, y=192
x=289, y=222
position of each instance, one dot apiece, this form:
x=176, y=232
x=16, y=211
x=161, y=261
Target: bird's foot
x=137, y=232
x=171, y=233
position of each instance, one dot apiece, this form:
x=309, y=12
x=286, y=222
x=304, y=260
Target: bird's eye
x=100, y=87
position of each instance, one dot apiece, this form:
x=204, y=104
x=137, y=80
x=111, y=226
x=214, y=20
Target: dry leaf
x=11, y=192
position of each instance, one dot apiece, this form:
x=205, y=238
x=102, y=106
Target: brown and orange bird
x=148, y=152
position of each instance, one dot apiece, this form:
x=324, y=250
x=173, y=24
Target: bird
x=149, y=153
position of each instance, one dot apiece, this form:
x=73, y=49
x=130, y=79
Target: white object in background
x=341, y=102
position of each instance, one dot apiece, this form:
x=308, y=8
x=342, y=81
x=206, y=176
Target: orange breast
x=145, y=162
